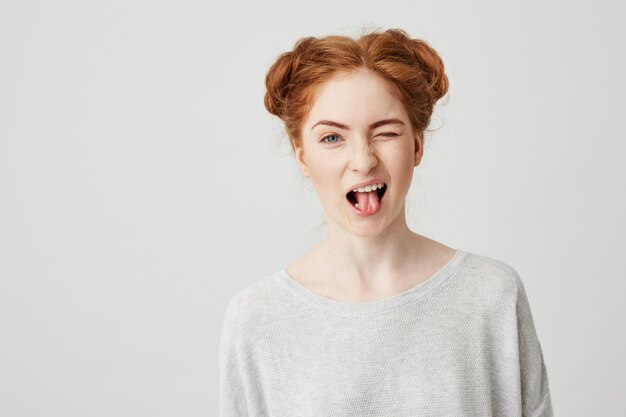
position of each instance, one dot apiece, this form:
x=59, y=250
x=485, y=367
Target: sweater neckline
x=414, y=293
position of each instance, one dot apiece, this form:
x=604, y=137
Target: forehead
x=355, y=98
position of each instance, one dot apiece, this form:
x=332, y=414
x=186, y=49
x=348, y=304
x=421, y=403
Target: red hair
x=410, y=67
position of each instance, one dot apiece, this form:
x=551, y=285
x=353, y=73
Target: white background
x=142, y=183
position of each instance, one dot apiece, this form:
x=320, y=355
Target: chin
x=370, y=230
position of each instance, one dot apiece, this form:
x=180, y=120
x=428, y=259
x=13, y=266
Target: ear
x=419, y=147
x=299, y=151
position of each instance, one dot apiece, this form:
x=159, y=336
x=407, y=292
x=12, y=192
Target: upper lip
x=364, y=183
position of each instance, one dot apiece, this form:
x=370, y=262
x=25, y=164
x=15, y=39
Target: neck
x=368, y=261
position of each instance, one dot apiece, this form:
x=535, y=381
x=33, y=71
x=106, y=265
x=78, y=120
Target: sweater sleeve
x=536, y=401
x=233, y=390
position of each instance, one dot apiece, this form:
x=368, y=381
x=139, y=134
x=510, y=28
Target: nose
x=363, y=158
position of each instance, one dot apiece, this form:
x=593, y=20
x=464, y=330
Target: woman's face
x=343, y=146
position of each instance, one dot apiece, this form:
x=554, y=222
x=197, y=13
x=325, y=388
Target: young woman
x=376, y=320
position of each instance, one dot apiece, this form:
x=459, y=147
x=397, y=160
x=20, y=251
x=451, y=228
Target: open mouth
x=380, y=192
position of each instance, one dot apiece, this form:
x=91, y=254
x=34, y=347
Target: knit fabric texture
x=461, y=343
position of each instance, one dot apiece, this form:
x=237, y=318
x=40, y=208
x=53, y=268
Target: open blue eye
x=330, y=136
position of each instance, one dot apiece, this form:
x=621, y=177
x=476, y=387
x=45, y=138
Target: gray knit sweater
x=462, y=343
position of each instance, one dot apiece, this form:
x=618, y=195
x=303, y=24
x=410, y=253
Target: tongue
x=368, y=202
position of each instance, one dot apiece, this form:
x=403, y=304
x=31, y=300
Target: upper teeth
x=369, y=188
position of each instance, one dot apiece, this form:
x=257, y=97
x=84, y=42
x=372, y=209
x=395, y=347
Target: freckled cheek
x=401, y=168
x=326, y=177
x=397, y=155
x=323, y=168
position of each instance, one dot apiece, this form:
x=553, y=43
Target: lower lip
x=364, y=214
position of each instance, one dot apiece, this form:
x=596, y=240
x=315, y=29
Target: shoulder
x=246, y=308
x=492, y=280
x=495, y=270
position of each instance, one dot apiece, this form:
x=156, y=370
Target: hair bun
x=280, y=75
x=277, y=83
x=433, y=67
x=427, y=59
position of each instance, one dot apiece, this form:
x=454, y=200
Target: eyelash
x=391, y=134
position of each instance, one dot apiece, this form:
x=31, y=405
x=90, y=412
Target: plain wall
x=142, y=183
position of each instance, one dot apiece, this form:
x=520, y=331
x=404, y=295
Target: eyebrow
x=345, y=127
